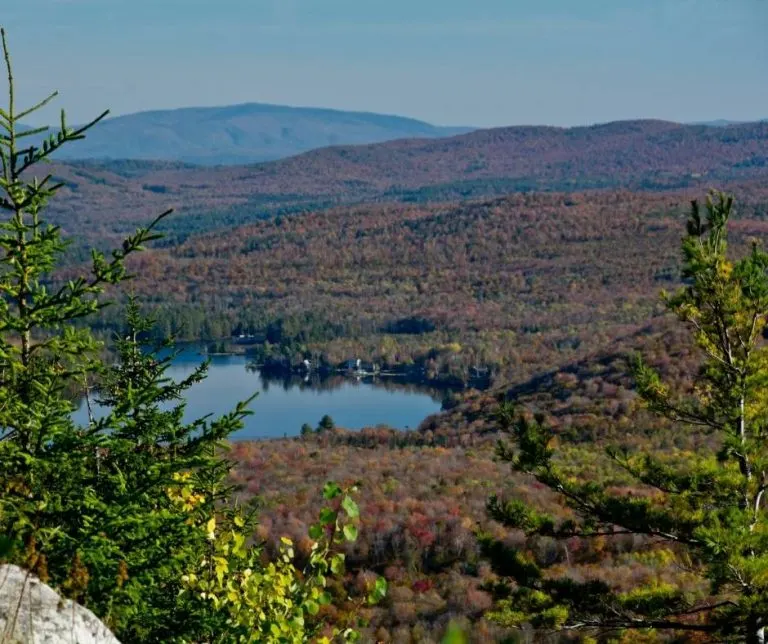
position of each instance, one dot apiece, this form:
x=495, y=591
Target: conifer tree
x=121, y=514
x=86, y=507
x=44, y=456
x=140, y=544
x=708, y=508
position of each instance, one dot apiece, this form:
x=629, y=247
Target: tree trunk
x=755, y=630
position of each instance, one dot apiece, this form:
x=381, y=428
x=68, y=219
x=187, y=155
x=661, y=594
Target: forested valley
x=456, y=259
x=606, y=482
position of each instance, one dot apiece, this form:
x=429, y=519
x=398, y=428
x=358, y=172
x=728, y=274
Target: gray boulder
x=33, y=613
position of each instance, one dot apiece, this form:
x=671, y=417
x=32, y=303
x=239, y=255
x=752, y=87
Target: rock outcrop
x=33, y=613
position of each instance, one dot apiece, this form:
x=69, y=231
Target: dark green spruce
x=87, y=508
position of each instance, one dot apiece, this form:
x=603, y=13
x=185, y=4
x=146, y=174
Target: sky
x=451, y=62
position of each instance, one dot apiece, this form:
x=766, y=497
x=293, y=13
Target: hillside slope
x=522, y=283
x=101, y=198
x=630, y=154
x=634, y=154
x=246, y=133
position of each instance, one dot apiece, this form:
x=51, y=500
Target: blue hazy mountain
x=240, y=134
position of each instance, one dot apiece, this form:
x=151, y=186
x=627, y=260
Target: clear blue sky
x=473, y=62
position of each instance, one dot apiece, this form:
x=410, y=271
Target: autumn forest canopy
x=597, y=297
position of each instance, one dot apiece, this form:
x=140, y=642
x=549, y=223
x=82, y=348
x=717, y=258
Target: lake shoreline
x=286, y=402
x=405, y=373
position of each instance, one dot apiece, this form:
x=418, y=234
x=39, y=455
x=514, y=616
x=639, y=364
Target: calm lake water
x=284, y=405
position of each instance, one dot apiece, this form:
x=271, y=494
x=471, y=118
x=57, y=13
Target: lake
x=284, y=405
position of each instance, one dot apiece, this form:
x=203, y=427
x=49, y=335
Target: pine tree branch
x=669, y=622
x=34, y=154
x=36, y=107
x=594, y=510
x=704, y=608
x=641, y=624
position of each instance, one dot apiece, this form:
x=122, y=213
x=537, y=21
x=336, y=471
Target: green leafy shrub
x=252, y=601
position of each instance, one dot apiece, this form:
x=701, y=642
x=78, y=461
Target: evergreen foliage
x=709, y=508
x=84, y=507
x=147, y=448
x=121, y=514
x=326, y=424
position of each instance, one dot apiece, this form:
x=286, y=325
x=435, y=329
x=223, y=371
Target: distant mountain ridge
x=260, y=132
x=725, y=122
x=242, y=134
x=641, y=154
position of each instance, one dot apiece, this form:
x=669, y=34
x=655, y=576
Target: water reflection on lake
x=283, y=405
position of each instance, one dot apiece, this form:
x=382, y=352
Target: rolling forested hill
x=348, y=242
x=102, y=200
x=518, y=284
